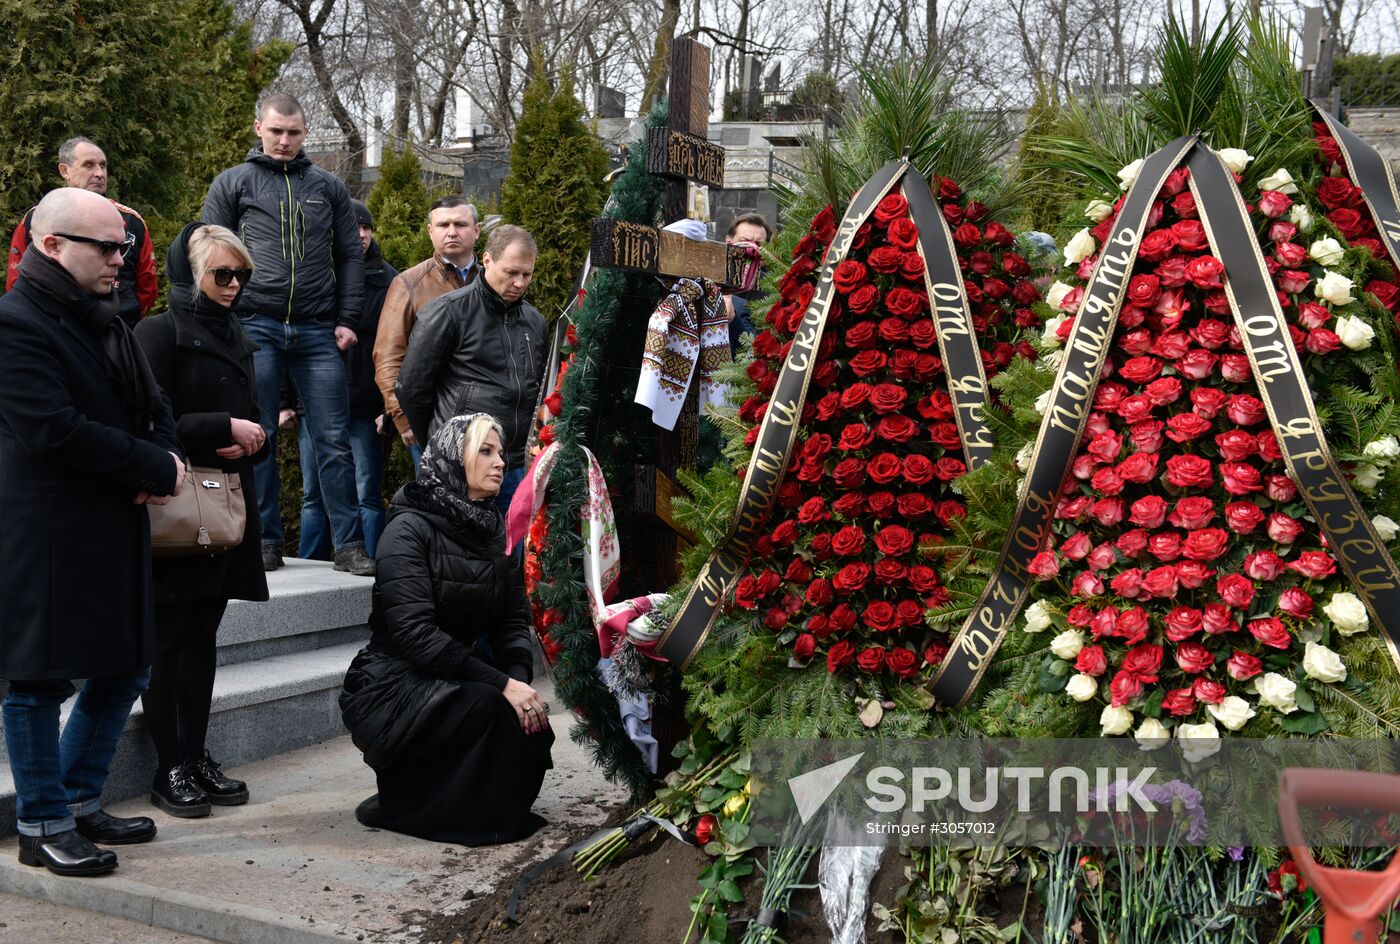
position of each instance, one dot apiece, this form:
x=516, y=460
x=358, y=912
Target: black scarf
x=441, y=486
x=126, y=364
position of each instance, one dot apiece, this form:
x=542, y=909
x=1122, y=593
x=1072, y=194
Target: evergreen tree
x=555, y=187
x=399, y=202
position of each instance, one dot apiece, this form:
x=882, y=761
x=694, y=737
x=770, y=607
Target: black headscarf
x=126, y=364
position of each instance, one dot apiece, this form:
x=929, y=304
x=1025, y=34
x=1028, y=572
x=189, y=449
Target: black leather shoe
x=175, y=791
x=221, y=790
x=272, y=558
x=112, y=830
x=66, y=853
x=355, y=560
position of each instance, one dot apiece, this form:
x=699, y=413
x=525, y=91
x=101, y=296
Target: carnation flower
x=1129, y=174
x=1098, y=210
x=1080, y=247
x=1237, y=159
x=1347, y=613
x=1233, y=712
x=1115, y=720
x=1199, y=740
x=1327, y=251
x=1280, y=180
x=1082, y=687
x=1323, y=664
x=1276, y=692
x=1336, y=288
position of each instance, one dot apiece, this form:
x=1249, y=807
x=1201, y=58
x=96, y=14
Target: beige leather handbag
x=208, y=517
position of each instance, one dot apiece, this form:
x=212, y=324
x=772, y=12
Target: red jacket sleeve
x=147, y=287
x=19, y=242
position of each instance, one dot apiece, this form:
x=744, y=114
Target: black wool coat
x=439, y=587
x=76, y=594
x=208, y=376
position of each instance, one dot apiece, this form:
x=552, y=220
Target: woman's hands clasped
x=248, y=438
x=529, y=707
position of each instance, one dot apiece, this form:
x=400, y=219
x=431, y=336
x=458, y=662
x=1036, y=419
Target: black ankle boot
x=176, y=792
x=221, y=790
x=66, y=853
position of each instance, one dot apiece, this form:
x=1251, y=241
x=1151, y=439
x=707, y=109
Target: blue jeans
x=416, y=454
x=306, y=350
x=60, y=777
x=367, y=448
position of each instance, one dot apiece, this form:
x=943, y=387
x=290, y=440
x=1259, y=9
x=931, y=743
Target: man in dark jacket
x=367, y=419
x=83, y=164
x=481, y=349
x=302, y=309
x=86, y=441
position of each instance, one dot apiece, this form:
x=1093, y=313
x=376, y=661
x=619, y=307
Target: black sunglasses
x=222, y=277
x=105, y=246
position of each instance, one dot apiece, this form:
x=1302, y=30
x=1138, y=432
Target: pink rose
x=1236, y=590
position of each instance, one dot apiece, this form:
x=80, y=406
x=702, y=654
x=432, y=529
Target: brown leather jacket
x=407, y=295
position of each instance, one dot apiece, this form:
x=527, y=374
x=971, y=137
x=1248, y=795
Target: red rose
x=1208, y=401
x=1043, y=566
x=1264, y=565
x=904, y=302
x=896, y=429
x=1139, y=468
x=1077, y=547
x=945, y=469
x=967, y=235
x=1091, y=661
x=1132, y=542
x=891, y=208
x=918, y=470
x=1184, y=204
x=855, y=436
x=1179, y=703
x=705, y=828
x=848, y=542
x=881, y=504
x=1197, y=364
x=1189, y=472
x=1217, y=619
x=1337, y=192
x=850, y=473
x=1314, y=565
x=1140, y=370
x=849, y=275
x=923, y=335
x=1208, y=691
x=863, y=299
x=803, y=646
x=871, y=660
x=1283, y=529
x=775, y=619
x=785, y=534
x=1205, y=544
x=1242, y=666
x=879, y=616
x=1236, y=590
x=1193, y=574
x=914, y=506
x=1236, y=445
x=812, y=511
x=840, y=655
x=799, y=571
x=1271, y=632
x=1156, y=245
x=885, y=259
x=1165, y=545
x=894, y=540
x=1190, y=235
x=1142, y=661
x=1280, y=488
x=1205, y=271
x=885, y=467
x=1322, y=341
x=1293, y=281
x=1124, y=688
x=1240, y=478
x=1148, y=511
x=867, y=362
x=1243, y=517
x=1274, y=204
x=911, y=266
x=894, y=330
x=903, y=662
x=821, y=546
x=903, y=234
x=890, y=572
x=1184, y=427
x=1193, y=512
x=842, y=618
x=1183, y=622
x=819, y=592
x=995, y=233
x=1387, y=293
x=946, y=435
x=1296, y=602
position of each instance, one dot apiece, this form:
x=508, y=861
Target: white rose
x=1067, y=644
x=1366, y=477
x=1336, y=288
x=1129, y=174
x=1280, y=180
x=1080, y=247
x=1098, y=210
x=1023, y=463
x=1115, y=721
x=1199, y=740
x=1355, y=333
x=1082, y=687
x=1323, y=664
x=1050, y=361
x=1347, y=613
x=1383, y=449
x=1234, y=712
x=1151, y=734
x=1276, y=692
x=1236, y=159
x=1056, y=293
x=1042, y=402
x=1050, y=337
x=1385, y=527
x=1327, y=251
x=1038, y=617
x=1301, y=217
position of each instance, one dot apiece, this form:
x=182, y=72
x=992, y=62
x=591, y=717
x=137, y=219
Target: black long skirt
x=471, y=782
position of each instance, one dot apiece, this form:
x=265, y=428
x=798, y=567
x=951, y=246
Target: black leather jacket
x=470, y=352
x=297, y=221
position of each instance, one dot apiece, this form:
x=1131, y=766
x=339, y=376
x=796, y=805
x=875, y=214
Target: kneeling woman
x=459, y=743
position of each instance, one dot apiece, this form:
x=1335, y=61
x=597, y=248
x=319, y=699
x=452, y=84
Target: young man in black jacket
x=302, y=308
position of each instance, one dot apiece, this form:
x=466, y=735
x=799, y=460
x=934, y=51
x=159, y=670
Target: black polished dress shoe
x=271, y=557
x=66, y=853
x=102, y=827
x=355, y=561
x=221, y=790
x=175, y=791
